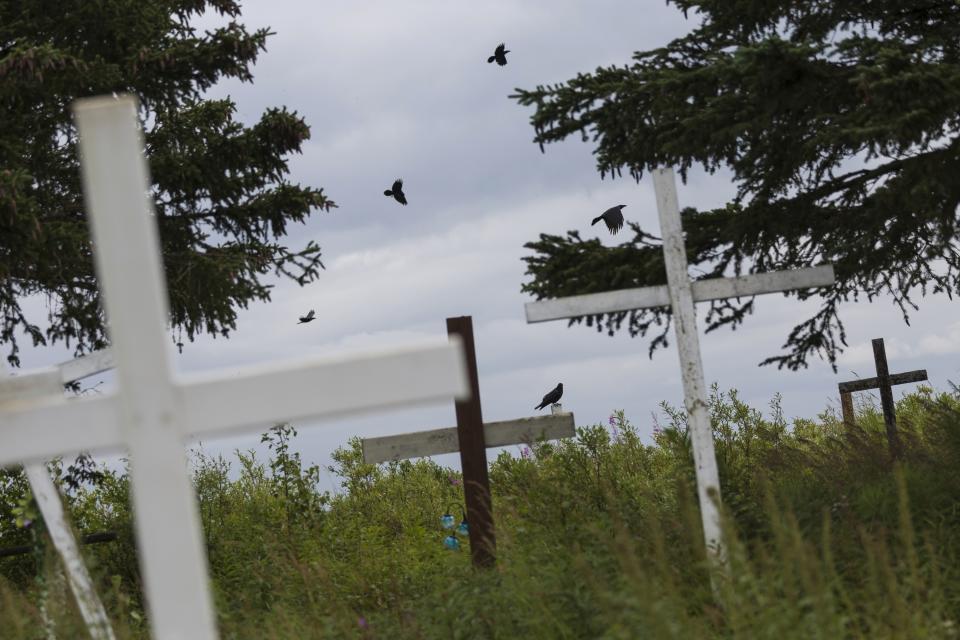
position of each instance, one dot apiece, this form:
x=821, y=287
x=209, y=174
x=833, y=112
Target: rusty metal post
x=473, y=454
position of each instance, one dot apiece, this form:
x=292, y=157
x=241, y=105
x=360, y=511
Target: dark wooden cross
x=884, y=381
x=471, y=437
x=91, y=538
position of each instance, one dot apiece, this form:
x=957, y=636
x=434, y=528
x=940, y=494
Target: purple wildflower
x=525, y=453
x=454, y=480
x=362, y=623
x=613, y=421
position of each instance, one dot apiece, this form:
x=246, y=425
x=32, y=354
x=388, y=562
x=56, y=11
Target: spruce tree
x=839, y=122
x=223, y=200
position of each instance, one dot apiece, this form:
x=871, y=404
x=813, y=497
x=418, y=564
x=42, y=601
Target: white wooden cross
x=38, y=384
x=434, y=442
x=679, y=294
x=153, y=411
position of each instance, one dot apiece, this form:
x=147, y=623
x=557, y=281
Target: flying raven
x=613, y=217
x=397, y=191
x=307, y=318
x=553, y=397
x=500, y=55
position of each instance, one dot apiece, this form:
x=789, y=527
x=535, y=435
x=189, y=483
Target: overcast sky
x=394, y=89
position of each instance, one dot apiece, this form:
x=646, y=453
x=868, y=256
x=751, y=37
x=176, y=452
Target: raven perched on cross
x=553, y=397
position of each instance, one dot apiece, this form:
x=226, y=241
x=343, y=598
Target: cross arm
x=253, y=397
x=86, y=366
x=496, y=434
x=324, y=387
x=51, y=427
x=874, y=383
x=50, y=380
x=658, y=296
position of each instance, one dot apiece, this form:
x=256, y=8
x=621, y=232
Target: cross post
x=470, y=438
x=884, y=382
x=153, y=411
x=680, y=294
x=473, y=454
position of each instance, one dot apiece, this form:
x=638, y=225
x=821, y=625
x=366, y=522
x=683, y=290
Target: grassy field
x=598, y=537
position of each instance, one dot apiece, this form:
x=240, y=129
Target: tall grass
x=597, y=537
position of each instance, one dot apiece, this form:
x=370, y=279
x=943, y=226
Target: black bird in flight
x=307, y=318
x=499, y=54
x=613, y=217
x=553, y=397
x=397, y=192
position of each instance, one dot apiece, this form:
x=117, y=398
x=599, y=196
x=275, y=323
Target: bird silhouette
x=553, y=397
x=499, y=54
x=396, y=191
x=613, y=217
x=307, y=318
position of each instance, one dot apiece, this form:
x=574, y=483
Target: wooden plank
x=90, y=538
x=34, y=430
x=886, y=398
x=473, y=453
x=658, y=296
x=86, y=366
x=224, y=402
x=691, y=366
x=84, y=593
x=846, y=404
x=24, y=386
x=318, y=387
x=128, y=265
x=594, y=303
x=762, y=283
x=865, y=384
x=496, y=434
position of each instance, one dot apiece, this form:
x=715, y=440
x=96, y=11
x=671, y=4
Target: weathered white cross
x=49, y=382
x=679, y=294
x=153, y=411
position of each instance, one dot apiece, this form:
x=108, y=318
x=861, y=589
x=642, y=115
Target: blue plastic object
x=464, y=528
x=447, y=521
x=451, y=542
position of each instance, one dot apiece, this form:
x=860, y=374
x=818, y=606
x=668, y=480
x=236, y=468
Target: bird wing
x=500, y=49
x=311, y=314
x=397, y=185
x=613, y=218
